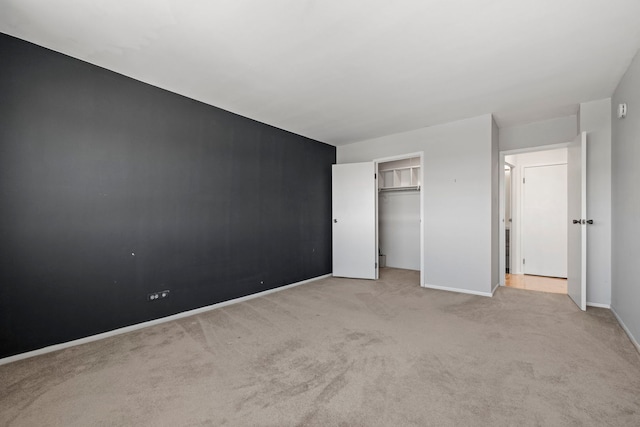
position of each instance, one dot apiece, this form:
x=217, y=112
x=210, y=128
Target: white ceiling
x=341, y=71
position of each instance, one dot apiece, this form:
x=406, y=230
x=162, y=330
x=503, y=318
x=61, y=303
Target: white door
x=544, y=220
x=354, y=221
x=577, y=221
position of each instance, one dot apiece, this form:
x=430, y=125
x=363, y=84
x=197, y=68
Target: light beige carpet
x=340, y=352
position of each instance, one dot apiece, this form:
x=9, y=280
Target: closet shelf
x=405, y=188
x=399, y=174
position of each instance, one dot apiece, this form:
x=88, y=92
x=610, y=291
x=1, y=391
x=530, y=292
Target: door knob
x=335, y=220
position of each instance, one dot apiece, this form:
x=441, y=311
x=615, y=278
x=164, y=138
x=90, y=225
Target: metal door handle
x=589, y=221
x=335, y=220
x=576, y=221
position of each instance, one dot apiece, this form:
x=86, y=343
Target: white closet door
x=354, y=220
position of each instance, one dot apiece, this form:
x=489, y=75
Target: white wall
x=625, y=287
x=595, y=119
x=399, y=228
x=520, y=161
x=546, y=132
x=457, y=193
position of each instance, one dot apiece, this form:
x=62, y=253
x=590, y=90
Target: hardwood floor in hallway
x=537, y=283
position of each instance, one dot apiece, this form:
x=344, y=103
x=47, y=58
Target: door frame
x=502, y=233
x=376, y=162
x=504, y=226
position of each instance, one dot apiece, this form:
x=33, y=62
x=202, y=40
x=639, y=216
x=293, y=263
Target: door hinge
x=523, y=180
x=522, y=260
x=375, y=176
x=376, y=265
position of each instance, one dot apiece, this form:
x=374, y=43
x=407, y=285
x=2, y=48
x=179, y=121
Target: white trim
x=542, y=164
x=502, y=225
x=154, y=322
x=458, y=290
x=598, y=304
x=422, y=217
x=495, y=288
x=535, y=148
x=627, y=331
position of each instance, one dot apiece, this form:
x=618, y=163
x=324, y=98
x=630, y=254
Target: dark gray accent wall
x=111, y=189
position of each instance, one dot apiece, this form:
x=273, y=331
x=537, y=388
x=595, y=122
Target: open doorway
x=535, y=214
x=399, y=207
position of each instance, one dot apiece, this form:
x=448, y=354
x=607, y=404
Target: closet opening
x=400, y=205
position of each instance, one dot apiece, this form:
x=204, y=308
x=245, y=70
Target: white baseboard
x=142, y=325
x=626, y=330
x=599, y=305
x=461, y=291
x=495, y=288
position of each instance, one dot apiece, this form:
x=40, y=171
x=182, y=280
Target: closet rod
x=412, y=188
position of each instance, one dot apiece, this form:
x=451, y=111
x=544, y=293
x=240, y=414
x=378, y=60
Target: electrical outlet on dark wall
x=111, y=187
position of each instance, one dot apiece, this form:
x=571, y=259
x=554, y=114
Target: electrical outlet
x=157, y=295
